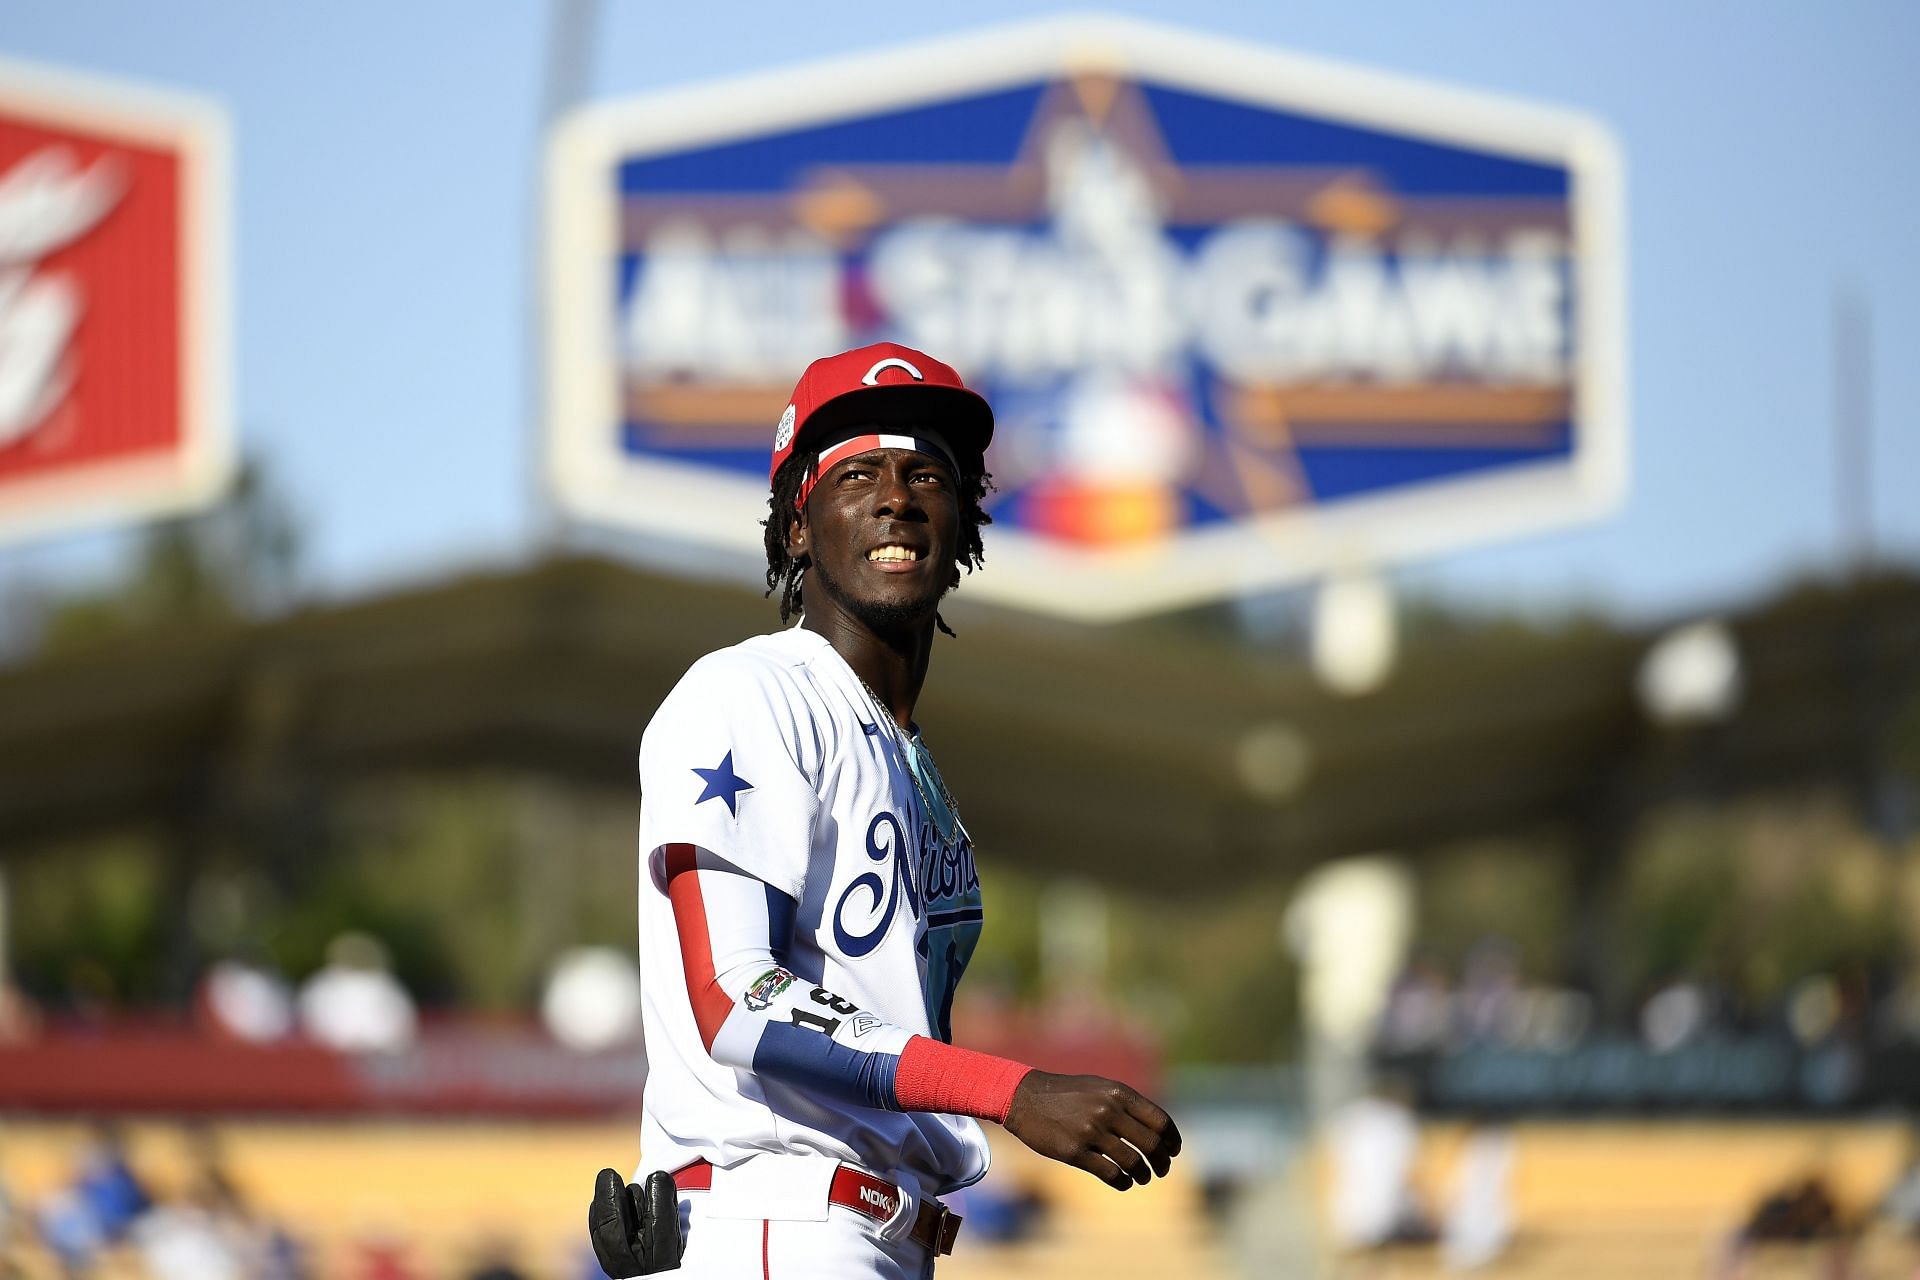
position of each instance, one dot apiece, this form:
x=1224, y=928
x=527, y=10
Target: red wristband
x=933, y=1076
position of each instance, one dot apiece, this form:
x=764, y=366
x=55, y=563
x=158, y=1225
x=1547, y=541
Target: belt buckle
x=946, y=1228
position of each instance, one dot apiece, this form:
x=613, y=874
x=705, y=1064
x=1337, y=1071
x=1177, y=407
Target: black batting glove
x=635, y=1230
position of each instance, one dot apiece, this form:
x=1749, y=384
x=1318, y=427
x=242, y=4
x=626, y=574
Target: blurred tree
x=238, y=559
x=1517, y=891
x=1757, y=896
x=1221, y=987
x=1903, y=754
x=473, y=898
x=88, y=923
x=1208, y=977
x=1008, y=954
x=473, y=883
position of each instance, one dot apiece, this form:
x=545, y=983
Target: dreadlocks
x=784, y=571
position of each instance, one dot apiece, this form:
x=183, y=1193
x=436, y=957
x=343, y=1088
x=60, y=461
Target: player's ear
x=799, y=539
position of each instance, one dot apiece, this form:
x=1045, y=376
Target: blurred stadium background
x=1495, y=844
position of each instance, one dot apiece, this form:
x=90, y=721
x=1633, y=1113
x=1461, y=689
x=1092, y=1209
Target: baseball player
x=808, y=897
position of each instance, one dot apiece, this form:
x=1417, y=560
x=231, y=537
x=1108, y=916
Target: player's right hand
x=1096, y=1124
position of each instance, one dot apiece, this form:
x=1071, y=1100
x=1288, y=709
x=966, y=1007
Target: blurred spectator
x=245, y=1002
x=1674, y=1014
x=496, y=1262
x=107, y=1183
x=1900, y=1207
x=382, y=1257
x=90, y=995
x=1828, y=1016
x=10, y=1224
x=1489, y=992
x=265, y=1250
x=592, y=999
x=1813, y=1008
x=203, y=1237
x=1221, y=1192
x=1419, y=1010
x=99, y=1208
x=70, y=1232
x=19, y=1018
x=1374, y=1141
x=1897, y=1020
x=1802, y=1212
x=1554, y=1019
x=498, y=1271
x=281, y=1257
x=1479, y=1222
x=998, y=1214
x=355, y=1004
x=1902, y=1204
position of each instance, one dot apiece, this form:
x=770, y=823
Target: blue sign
x=1242, y=317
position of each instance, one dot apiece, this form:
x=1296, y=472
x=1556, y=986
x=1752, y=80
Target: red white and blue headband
x=841, y=450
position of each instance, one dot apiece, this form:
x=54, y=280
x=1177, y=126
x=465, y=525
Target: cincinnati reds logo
x=891, y=362
x=886, y=843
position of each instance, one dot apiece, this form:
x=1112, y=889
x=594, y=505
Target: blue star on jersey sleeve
x=722, y=783
x=735, y=731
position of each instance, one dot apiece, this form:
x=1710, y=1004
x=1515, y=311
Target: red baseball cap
x=888, y=385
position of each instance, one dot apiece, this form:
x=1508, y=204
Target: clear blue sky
x=387, y=155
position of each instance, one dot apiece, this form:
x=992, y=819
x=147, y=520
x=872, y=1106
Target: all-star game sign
x=1244, y=317
x=113, y=280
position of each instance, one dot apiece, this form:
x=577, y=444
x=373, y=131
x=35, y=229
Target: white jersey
x=772, y=756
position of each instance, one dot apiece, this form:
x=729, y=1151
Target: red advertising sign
x=113, y=279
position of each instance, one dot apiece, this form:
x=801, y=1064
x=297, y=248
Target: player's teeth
x=892, y=553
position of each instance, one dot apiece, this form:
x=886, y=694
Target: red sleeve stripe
x=710, y=1003
x=934, y=1076
x=677, y=859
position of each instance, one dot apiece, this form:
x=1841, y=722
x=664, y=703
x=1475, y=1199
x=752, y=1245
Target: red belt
x=935, y=1226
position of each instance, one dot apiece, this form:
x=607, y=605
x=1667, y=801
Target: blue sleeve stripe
x=803, y=1056
x=780, y=909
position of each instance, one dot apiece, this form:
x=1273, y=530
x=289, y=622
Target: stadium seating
x=1595, y=1201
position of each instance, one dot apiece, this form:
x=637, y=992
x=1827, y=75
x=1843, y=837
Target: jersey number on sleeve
x=820, y=1022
